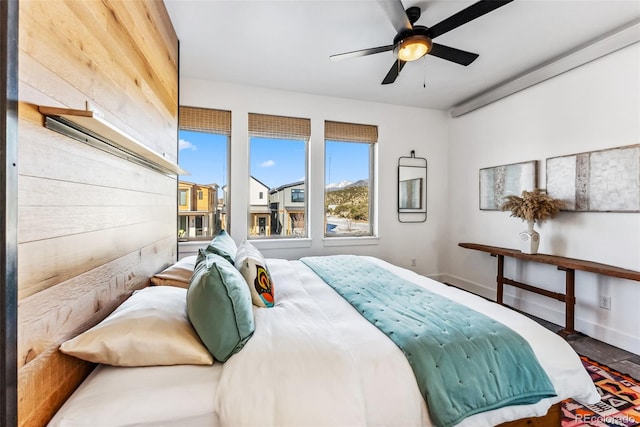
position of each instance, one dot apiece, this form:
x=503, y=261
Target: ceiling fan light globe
x=412, y=48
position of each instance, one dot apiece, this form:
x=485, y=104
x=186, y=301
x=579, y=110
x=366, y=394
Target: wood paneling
x=55, y=260
x=92, y=227
x=80, y=163
x=41, y=394
x=92, y=51
x=56, y=313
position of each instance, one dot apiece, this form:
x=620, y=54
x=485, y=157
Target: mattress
x=313, y=360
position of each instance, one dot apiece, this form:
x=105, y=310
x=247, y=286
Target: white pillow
x=253, y=267
x=150, y=328
x=178, y=274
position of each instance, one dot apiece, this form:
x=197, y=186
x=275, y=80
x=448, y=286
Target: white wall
x=595, y=106
x=400, y=129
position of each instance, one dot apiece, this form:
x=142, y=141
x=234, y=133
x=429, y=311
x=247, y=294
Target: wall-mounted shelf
x=89, y=127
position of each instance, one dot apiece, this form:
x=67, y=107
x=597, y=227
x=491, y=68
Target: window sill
x=281, y=243
x=350, y=241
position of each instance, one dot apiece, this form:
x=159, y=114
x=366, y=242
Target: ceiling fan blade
x=472, y=12
x=452, y=54
x=397, y=15
x=362, y=52
x=393, y=72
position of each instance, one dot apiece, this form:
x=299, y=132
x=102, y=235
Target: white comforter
x=314, y=361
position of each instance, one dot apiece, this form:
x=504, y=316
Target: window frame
x=297, y=191
x=343, y=132
x=279, y=128
x=215, y=122
x=370, y=189
x=183, y=192
x=284, y=188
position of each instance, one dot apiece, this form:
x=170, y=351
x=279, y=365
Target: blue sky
x=273, y=162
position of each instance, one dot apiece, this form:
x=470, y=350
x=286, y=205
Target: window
x=183, y=197
x=349, y=166
x=261, y=195
x=278, y=167
x=203, y=152
x=297, y=195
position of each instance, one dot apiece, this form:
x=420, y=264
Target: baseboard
x=601, y=333
x=474, y=288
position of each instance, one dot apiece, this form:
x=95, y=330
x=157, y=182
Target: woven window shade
x=267, y=126
x=350, y=132
x=205, y=120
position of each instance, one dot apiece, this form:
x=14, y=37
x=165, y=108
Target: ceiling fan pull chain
x=424, y=75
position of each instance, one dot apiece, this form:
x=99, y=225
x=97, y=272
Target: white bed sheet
x=181, y=395
x=343, y=372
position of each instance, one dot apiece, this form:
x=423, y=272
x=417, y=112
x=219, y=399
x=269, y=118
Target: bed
x=312, y=359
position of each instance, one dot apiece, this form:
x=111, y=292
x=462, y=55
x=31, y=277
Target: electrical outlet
x=605, y=302
x=413, y=262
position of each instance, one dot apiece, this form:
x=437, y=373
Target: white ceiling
x=286, y=45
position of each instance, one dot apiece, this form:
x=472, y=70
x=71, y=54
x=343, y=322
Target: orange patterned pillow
x=253, y=267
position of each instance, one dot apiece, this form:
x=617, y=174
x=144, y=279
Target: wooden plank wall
x=92, y=227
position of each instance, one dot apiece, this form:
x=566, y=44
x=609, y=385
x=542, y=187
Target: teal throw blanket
x=464, y=362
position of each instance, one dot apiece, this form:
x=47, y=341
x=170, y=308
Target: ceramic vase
x=529, y=239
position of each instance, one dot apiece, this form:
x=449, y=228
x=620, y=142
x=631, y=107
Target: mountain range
x=347, y=184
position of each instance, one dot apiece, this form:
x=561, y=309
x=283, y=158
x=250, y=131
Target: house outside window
x=204, y=137
x=297, y=195
x=349, y=179
x=278, y=167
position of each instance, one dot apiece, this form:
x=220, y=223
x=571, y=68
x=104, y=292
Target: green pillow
x=224, y=246
x=219, y=307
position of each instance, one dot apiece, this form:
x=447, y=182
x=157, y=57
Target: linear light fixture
x=88, y=127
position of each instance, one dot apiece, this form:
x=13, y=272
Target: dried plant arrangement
x=532, y=206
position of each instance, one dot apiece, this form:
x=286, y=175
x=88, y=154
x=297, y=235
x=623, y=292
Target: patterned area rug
x=619, y=405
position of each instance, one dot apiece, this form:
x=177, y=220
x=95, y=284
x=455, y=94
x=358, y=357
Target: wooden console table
x=568, y=265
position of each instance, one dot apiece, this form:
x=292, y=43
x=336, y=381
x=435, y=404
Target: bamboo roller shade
x=205, y=120
x=267, y=126
x=350, y=132
x=270, y=126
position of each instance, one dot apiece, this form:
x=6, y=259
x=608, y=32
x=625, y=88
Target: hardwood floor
x=614, y=357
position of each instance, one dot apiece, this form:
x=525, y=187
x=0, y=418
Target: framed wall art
x=497, y=182
x=597, y=181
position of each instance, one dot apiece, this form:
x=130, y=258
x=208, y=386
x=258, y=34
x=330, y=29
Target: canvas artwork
x=597, y=181
x=507, y=180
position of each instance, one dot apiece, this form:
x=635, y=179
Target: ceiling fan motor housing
x=412, y=44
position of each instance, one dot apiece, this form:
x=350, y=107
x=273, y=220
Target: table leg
x=569, y=302
x=500, y=279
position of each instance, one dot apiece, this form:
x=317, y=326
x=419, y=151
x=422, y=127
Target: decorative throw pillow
x=224, y=246
x=253, y=267
x=219, y=306
x=178, y=274
x=150, y=328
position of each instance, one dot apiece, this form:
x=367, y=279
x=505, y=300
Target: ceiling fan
x=412, y=42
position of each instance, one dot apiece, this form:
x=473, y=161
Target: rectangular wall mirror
x=412, y=189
